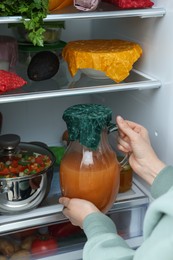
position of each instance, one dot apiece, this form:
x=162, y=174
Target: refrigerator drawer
x=69, y=239
x=127, y=212
x=129, y=222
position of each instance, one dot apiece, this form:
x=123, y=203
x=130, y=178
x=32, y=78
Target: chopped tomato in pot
x=4, y=171
x=23, y=164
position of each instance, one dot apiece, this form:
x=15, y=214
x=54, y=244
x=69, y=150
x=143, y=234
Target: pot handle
x=112, y=128
x=3, y=189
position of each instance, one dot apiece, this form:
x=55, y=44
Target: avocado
x=43, y=65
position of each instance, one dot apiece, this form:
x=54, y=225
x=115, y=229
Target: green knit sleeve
x=163, y=182
x=103, y=241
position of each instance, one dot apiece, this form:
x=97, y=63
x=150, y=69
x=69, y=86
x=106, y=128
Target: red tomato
x=21, y=168
x=64, y=230
x=5, y=171
x=13, y=169
x=44, y=245
x=14, y=163
x=39, y=160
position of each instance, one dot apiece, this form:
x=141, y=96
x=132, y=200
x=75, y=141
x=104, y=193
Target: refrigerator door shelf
x=80, y=84
x=51, y=212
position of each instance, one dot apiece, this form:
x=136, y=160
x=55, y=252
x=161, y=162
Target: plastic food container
x=27, y=51
x=95, y=74
x=51, y=35
x=8, y=53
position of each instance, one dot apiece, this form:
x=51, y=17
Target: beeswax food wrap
x=113, y=57
x=85, y=122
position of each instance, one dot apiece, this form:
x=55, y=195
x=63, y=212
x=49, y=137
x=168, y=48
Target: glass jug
x=89, y=168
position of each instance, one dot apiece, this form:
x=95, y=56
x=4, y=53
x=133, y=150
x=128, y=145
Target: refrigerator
x=35, y=112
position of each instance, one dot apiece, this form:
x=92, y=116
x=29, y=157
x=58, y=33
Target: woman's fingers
x=64, y=201
x=128, y=128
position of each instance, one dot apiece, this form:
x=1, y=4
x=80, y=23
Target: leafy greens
x=32, y=12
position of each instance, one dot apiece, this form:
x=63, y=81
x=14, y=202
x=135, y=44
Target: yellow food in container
x=55, y=5
x=113, y=57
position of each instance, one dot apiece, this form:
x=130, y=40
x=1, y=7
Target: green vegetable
x=58, y=151
x=23, y=163
x=32, y=12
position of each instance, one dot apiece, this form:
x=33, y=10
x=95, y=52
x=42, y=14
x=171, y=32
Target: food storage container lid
x=27, y=47
x=20, y=159
x=85, y=123
x=8, y=50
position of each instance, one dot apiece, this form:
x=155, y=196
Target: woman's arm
x=103, y=240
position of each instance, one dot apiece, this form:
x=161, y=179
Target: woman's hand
x=76, y=210
x=134, y=140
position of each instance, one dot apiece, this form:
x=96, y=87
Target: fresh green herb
x=32, y=12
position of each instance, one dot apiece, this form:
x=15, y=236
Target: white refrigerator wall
x=39, y=120
x=152, y=108
x=42, y=120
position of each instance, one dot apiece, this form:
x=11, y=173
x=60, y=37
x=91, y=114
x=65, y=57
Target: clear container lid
x=27, y=47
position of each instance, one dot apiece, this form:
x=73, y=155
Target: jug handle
x=112, y=128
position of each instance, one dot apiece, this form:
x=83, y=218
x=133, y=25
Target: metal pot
x=19, y=191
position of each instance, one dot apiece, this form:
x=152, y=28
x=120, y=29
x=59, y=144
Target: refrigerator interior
x=151, y=107
x=41, y=119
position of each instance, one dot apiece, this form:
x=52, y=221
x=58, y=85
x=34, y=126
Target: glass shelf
x=105, y=10
x=83, y=85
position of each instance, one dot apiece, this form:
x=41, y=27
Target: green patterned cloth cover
x=85, y=123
